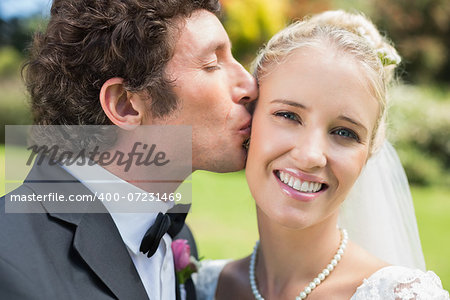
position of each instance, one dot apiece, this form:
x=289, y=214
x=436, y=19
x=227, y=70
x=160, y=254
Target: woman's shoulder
x=396, y=282
x=233, y=282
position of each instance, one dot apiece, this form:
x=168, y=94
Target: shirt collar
x=132, y=226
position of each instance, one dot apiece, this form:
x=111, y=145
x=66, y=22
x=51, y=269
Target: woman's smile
x=298, y=185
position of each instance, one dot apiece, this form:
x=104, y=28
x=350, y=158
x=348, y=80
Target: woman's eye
x=346, y=133
x=288, y=115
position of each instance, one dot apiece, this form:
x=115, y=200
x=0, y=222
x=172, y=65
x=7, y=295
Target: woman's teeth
x=297, y=184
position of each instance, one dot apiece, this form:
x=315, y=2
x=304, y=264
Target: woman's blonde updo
x=347, y=34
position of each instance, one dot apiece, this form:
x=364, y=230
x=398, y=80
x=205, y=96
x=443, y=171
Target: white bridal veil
x=379, y=213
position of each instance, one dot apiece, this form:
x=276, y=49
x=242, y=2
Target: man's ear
x=123, y=108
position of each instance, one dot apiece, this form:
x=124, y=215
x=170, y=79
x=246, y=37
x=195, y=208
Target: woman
x=319, y=118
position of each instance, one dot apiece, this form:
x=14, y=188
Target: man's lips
x=246, y=128
x=246, y=131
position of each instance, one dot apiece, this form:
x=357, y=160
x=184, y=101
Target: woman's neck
x=288, y=259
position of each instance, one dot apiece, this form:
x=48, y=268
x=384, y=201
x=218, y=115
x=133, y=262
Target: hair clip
x=388, y=58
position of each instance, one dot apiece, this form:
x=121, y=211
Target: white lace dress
x=389, y=283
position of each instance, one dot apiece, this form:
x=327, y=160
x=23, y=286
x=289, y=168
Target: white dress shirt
x=157, y=272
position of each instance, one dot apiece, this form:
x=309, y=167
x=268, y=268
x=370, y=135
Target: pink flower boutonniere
x=185, y=264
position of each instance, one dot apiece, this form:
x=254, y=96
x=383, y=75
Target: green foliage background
x=419, y=28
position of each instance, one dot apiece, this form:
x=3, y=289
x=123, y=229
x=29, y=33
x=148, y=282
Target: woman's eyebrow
x=348, y=119
x=289, y=102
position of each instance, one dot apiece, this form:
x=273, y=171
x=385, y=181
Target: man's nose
x=245, y=89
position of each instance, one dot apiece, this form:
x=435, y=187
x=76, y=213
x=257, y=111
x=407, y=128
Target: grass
x=432, y=205
x=223, y=215
x=224, y=223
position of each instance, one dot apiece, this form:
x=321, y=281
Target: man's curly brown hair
x=88, y=42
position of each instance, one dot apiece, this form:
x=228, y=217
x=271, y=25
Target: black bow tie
x=170, y=222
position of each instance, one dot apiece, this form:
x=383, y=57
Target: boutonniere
x=185, y=264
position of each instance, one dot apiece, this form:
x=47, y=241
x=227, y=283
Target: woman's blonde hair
x=346, y=33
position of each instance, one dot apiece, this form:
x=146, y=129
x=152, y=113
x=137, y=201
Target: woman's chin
x=291, y=220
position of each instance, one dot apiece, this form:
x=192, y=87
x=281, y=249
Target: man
x=124, y=63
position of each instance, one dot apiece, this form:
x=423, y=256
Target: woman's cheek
x=271, y=140
x=348, y=169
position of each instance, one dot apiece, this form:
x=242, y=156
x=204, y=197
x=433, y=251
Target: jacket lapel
x=96, y=237
x=99, y=243
x=189, y=288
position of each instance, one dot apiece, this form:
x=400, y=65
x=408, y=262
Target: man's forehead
x=203, y=33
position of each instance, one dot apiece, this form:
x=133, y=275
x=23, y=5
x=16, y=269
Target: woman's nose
x=310, y=151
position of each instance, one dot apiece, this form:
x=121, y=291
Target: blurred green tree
x=10, y=61
x=421, y=31
x=251, y=23
x=419, y=28
x=15, y=33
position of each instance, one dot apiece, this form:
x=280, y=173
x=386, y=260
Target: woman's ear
x=124, y=109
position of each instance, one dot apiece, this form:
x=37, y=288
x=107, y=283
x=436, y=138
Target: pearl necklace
x=313, y=284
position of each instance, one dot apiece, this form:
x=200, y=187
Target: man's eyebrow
x=289, y=102
x=215, y=46
x=348, y=119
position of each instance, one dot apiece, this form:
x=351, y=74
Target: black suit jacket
x=66, y=255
